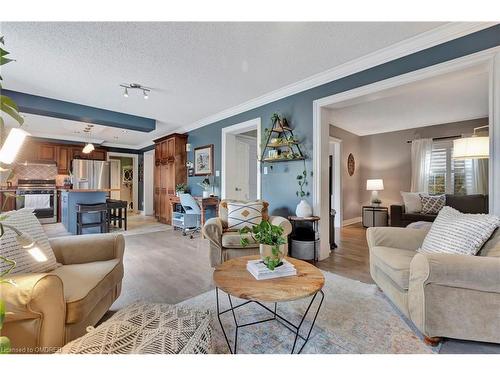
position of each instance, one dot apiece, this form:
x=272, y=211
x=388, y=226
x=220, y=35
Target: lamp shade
x=471, y=148
x=375, y=184
x=12, y=145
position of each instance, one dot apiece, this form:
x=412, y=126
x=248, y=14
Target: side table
x=301, y=248
x=375, y=216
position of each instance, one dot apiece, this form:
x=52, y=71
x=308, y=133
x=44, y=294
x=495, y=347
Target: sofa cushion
x=395, y=263
x=412, y=202
x=456, y=233
x=86, y=284
x=432, y=204
x=232, y=240
x=223, y=210
x=492, y=247
x=38, y=259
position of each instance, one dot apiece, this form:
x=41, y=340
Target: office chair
x=192, y=215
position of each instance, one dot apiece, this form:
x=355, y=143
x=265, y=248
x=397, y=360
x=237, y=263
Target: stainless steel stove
x=39, y=195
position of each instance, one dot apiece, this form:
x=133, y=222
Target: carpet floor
x=355, y=318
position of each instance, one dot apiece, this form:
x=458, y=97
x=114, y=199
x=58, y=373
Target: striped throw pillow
x=243, y=214
x=456, y=233
x=432, y=204
x=26, y=259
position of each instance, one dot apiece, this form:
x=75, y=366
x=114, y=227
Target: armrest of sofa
x=35, y=296
x=212, y=230
x=399, y=238
x=282, y=222
x=459, y=271
x=396, y=215
x=88, y=248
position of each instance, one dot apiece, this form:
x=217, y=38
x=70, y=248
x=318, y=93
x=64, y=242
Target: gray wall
x=279, y=186
x=386, y=156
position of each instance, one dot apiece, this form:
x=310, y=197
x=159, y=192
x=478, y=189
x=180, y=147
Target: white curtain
x=421, y=150
x=477, y=171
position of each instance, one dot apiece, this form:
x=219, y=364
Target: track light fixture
x=135, y=86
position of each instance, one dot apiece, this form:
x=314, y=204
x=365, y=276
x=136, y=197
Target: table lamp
x=375, y=185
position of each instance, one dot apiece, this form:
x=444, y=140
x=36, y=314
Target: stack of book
x=260, y=271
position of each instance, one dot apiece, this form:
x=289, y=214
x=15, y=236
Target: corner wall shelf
x=285, y=146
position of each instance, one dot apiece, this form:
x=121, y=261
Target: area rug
x=354, y=318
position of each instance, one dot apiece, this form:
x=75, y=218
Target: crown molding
x=417, y=43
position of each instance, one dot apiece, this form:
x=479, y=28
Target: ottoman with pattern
x=148, y=328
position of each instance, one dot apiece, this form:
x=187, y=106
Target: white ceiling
x=194, y=69
x=447, y=98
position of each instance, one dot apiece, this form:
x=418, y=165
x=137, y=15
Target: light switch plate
x=265, y=170
x=217, y=173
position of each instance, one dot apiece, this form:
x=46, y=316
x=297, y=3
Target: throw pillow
x=432, y=204
x=26, y=222
x=243, y=214
x=412, y=202
x=456, y=233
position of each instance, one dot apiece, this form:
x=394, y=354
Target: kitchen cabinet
x=63, y=160
x=170, y=170
x=47, y=152
x=7, y=200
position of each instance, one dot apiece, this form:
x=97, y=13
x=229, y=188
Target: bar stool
x=95, y=208
x=117, y=212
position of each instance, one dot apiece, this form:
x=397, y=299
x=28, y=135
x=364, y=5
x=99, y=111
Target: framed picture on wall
x=204, y=160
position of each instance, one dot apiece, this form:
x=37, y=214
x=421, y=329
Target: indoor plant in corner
x=272, y=243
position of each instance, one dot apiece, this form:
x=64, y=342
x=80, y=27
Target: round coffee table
x=233, y=278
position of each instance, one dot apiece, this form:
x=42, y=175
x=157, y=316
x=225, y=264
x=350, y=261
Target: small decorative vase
x=304, y=209
x=267, y=251
x=206, y=194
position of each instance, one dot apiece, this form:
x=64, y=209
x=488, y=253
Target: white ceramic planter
x=304, y=209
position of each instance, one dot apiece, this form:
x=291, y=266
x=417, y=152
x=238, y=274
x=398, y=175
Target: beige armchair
x=225, y=245
x=444, y=295
x=47, y=310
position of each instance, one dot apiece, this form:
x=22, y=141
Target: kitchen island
x=71, y=198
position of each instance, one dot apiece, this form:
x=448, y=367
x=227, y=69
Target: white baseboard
x=354, y=220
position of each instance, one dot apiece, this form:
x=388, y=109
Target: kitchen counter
x=70, y=198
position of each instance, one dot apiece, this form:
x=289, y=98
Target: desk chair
x=192, y=215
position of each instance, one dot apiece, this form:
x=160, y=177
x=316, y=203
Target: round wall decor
x=351, y=165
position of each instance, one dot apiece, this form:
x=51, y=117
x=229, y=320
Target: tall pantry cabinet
x=170, y=170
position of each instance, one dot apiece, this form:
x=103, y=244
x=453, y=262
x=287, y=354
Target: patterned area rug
x=355, y=318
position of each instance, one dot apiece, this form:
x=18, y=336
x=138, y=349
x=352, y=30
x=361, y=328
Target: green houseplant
x=272, y=243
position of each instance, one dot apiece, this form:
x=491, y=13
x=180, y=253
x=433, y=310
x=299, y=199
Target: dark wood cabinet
x=7, y=200
x=47, y=152
x=170, y=170
x=63, y=160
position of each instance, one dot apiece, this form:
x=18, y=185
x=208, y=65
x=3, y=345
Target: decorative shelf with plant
x=280, y=145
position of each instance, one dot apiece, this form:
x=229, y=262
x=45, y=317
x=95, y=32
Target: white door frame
x=321, y=132
x=135, y=177
x=337, y=186
x=148, y=188
x=239, y=128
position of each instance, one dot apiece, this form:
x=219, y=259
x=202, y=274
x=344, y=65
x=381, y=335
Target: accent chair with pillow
x=412, y=211
x=222, y=231
x=55, y=301
x=433, y=278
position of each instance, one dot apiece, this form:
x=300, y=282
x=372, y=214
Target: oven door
x=44, y=215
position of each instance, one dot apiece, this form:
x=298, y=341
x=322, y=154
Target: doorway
x=335, y=188
x=241, y=179
x=124, y=179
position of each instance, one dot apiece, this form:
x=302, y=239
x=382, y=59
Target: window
x=446, y=174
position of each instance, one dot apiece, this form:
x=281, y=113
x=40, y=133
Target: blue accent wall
x=279, y=186
x=40, y=105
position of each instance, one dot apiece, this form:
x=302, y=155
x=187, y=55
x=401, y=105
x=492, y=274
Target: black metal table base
x=275, y=316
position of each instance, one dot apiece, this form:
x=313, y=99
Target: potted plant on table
x=272, y=243
x=180, y=189
x=206, y=185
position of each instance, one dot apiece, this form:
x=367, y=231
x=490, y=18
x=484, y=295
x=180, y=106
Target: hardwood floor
x=350, y=259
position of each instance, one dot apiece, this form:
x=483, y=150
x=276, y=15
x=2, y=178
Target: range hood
x=38, y=162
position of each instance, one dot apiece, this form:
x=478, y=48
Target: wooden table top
x=233, y=278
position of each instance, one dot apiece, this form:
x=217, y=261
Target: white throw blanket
x=37, y=201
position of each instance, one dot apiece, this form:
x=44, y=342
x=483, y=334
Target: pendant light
x=89, y=147
x=474, y=147
x=135, y=86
